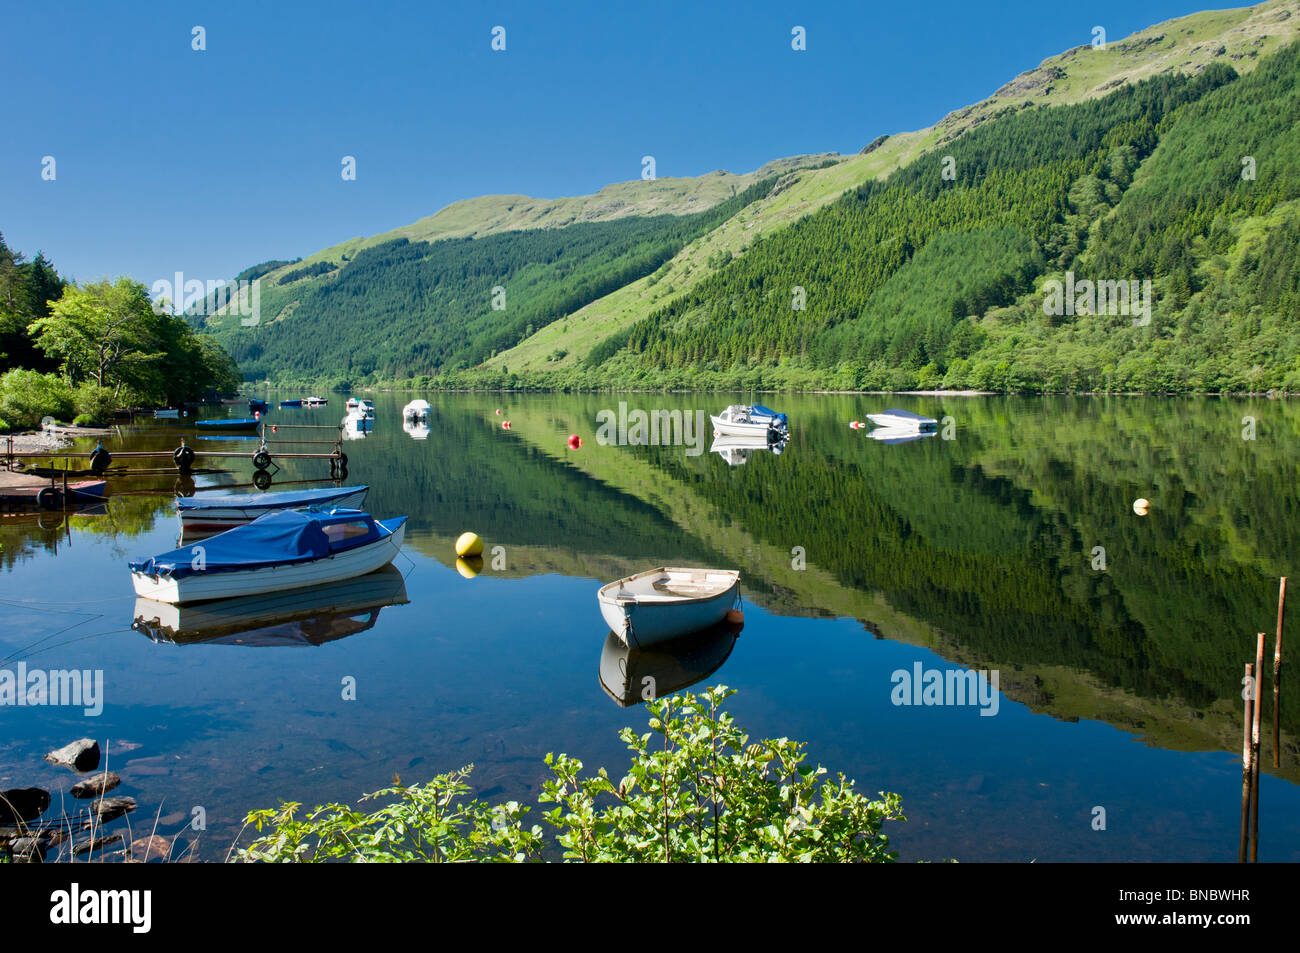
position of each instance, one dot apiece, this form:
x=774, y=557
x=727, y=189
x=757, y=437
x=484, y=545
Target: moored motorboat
x=291, y=403
x=663, y=603
x=742, y=420
x=223, y=510
x=258, y=406
x=904, y=420
x=284, y=550
x=314, y=401
x=416, y=410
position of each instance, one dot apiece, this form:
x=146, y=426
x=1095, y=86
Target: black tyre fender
x=184, y=458
x=100, y=460
x=261, y=460
x=50, y=498
x=342, y=459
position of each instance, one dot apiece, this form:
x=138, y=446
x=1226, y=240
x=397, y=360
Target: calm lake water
x=1120, y=687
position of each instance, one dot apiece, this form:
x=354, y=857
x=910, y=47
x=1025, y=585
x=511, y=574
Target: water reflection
x=630, y=676
x=735, y=450
x=310, y=616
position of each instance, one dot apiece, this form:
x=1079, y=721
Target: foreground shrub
x=27, y=396
x=704, y=793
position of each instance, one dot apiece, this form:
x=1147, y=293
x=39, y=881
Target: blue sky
x=206, y=162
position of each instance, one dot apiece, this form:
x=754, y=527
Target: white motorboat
x=663, y=603
x=314, y=401
x=224, y=510
x=417, y=410
x=904, y=420
x=284, y=550
x=742, y=420
x=360, y=407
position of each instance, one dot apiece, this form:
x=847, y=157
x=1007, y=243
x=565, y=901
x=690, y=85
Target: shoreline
x=53, y=438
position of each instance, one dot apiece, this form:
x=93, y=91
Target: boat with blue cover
x=227, y=423
x=224, y=510
x=742, y=420
x=284, y=550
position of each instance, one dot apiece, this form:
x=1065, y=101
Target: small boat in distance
x=258, y=406
x=314, y=401
x=227, y=423
x=167, y=414
x=904, y=420
x=290, y=403
x=661, y=604
x=416, y=411
x=360, y=406
x=278, y=551
x=741, y=420
x=224, y=510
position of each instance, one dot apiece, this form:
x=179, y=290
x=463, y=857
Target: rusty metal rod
x=1249, y=696
x=1277, y=674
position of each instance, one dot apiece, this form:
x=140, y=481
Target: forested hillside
x=404, y=308
x=1144, y=184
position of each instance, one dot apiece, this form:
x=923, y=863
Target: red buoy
x=574, y=441
x=505, y=425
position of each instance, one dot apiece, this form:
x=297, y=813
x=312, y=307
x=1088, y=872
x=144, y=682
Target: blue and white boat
x=742, y=420
x=661, y=604
x=278, y=551
x=224, y=510
x=227, y=423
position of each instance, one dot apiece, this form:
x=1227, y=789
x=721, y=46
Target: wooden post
x=1249, y=695
x=1277, y=675
x=1254, y=753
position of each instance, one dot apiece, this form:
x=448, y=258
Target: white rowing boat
x=661, y=604
x=284, y=550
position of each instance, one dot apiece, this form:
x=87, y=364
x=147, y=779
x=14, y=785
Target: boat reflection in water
x=417, y=429
x=631, y=676
x=310, y=616
x=736, y=449
x=899, y=434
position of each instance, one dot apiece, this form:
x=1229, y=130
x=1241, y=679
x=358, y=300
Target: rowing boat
x=278, y=551
x=224, y=510
x=661, y=604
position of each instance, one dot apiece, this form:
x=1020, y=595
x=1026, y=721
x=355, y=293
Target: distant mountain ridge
x=562, y=343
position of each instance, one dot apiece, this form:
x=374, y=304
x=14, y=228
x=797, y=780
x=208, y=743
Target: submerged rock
x=81, y=755
x=87, y=847
x=96, y=786
x=110, y=808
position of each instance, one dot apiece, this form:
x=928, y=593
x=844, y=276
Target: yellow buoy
x=1141, y=506
x=469, y=545
x=470, y=566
